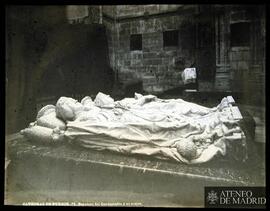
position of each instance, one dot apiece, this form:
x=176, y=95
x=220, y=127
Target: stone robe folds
x=146, y=125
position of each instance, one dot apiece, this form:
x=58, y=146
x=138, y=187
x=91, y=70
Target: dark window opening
x=240, y=34
x=135, y=42
x=170, y=38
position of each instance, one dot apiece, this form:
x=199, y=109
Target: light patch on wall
x=75, y=12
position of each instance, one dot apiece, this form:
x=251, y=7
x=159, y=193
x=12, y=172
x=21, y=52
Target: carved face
x=66, y=108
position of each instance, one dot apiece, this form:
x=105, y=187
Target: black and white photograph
x=149, y=105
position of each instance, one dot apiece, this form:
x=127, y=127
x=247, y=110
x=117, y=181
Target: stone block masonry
x=159, y=67
x=154, y=64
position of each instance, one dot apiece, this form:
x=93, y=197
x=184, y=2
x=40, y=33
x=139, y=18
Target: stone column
x=240, y=52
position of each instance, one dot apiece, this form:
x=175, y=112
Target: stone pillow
x=45, y=110
x=43, y=134
x=46, y=117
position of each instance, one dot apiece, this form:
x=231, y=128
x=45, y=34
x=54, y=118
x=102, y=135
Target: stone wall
x=241, y=68
x=222, y=35
x=158, y=67
x=84, y=14
x=247, y=63
x=138, y=10
x=236, y=68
